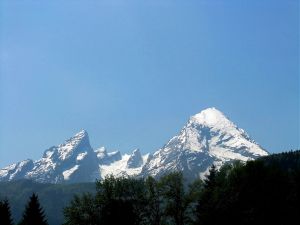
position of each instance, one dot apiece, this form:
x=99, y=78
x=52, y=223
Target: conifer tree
x=205, y=207
x=174, y=198
x=5, y=214
x=34, y=214
x=210, y=180
x=153, y=214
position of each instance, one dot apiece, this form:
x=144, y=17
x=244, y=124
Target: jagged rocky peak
x=78, y=143
x=115, y=155
x=80, y=138
x=101, y=152
x=105, y=157
x=135, y=160
x=72, y=161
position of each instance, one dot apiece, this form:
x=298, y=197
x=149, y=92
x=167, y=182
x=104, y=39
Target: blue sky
x=132, y=72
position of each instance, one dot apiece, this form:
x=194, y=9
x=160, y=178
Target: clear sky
x=132, y=72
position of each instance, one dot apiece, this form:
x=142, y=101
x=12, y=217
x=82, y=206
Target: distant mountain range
x=54, y=197
x=209, y=137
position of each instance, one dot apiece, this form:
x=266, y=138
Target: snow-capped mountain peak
x=74, y=160
x=78, y=141
x=211, y=117
x=208, y=137
x=81, y=134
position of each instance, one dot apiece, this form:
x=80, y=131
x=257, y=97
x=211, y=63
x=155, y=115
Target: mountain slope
x=72, y=161
x=208, y=137
x=128, y=165
x=75, y=161
x=54, y=197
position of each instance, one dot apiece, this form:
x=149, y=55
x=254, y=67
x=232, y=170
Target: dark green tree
x=154, y=200
x=82, y=211
x=205, y=206
x=120, y=201
x=192, y=196
x=262, y=191
x=210, y=180
x=120, y=198
x=5, y=214
x=33, y=214
x=174, y=205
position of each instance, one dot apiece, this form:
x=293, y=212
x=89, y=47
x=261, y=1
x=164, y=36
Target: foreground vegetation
x=264, y=191
x=53, y=197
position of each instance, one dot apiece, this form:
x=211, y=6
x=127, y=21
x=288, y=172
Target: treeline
x=264, y=191
x=53, y=197
x=33, y=213
x=136, y=201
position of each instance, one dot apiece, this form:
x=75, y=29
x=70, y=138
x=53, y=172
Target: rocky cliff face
x=135, y=160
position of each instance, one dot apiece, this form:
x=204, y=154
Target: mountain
x=74, y=161
x=209, y=137
x=54, y=197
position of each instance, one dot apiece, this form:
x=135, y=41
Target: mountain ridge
x=208, y=137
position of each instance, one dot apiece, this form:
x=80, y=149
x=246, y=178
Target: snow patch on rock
x=69, y=172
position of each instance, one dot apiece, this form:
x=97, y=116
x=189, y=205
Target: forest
x=264, y=191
